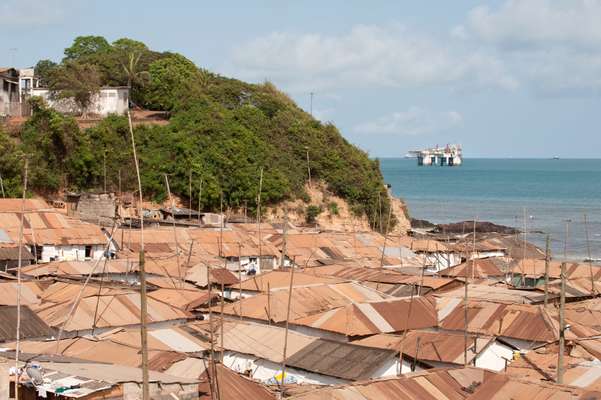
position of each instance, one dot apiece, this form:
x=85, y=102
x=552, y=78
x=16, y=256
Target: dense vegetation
x=222, y=132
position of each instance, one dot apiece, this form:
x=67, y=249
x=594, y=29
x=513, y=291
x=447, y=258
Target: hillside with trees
x=221, y=132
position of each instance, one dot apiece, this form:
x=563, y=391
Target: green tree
x=170, y=77
x=60, y=154
x=43, y=71
x=84, y=46
x=76, y=81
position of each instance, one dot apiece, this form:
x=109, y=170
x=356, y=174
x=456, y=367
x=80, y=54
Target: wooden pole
x=590, y=261
x=211, y=339
x=414, y=363
x=268, y=304
x=547, y=259
x=19, y=284
x=221, y=326
x=405, y=331
x=143, y=300
x=386, y=235
x=522, y=279
x=240, y=278
x=221, y=225
x=259, y=217
x=190, y=253
x=285, y=238
x=562, y=327
x=465, y=298
x=179, y=270
x=2, y=186
x=308, y=166
x=190, y=196
x=199, y=200
x=104, y=168
x=286, y=331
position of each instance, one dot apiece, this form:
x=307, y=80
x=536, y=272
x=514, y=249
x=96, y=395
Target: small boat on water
x=555, y=157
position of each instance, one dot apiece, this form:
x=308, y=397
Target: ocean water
x=552, y=193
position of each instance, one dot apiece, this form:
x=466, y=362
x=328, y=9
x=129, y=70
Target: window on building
x=88, y=252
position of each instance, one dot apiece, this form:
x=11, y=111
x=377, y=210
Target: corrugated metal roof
x=360, y=319
x=341, y=360
x=12, y=253
x=453, y=384
x=30, y=293
x=433, y=346
x=233, y=386
x=305, y=301
x=31, y=325
x=280, y=279
x=484, y=268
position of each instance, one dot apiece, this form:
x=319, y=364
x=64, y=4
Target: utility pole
x=562, y=327
x=2, y=186
x=547, y=259
x=311, y=103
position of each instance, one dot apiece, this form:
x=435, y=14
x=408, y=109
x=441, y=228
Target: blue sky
x=518, y=78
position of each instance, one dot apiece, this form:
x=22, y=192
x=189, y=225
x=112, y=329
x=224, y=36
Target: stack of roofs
x=356, y=318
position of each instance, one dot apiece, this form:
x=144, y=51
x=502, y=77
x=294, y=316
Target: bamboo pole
x=259, y=217
x=285, y=238
x=590, y=261
x=2, y=186
x=465, y=299
x=562, y=327
x=211, y=338
x=143, y=300
x=221, y=327
x=405, y=331
x=190, y=196
x=199, y=200
x=414, y=363
x=547, y=259
x=268, y=304
x=386, y=235
x=19, y=284
x=240, y=278
x=286, y=331
x=179, y=268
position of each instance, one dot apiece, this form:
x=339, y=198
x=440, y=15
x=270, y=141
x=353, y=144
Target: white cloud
x=539, y=22
x=366, y=56
x=553, y=46
x=414, y=121
x=33, y=12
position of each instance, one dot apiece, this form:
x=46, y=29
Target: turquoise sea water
x=498, y=190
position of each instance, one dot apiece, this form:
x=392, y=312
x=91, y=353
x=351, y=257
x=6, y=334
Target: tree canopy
x=222, y=132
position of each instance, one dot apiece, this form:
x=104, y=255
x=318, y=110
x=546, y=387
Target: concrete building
x=18, y=85
x=109, y=100
x=9, y=91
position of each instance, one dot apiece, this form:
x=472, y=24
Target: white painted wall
x=493, y=356
x=438, y=261
x=263, y=370
x=112, y=100
x=70, y=252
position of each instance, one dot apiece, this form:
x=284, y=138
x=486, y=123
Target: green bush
x=311, y=213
